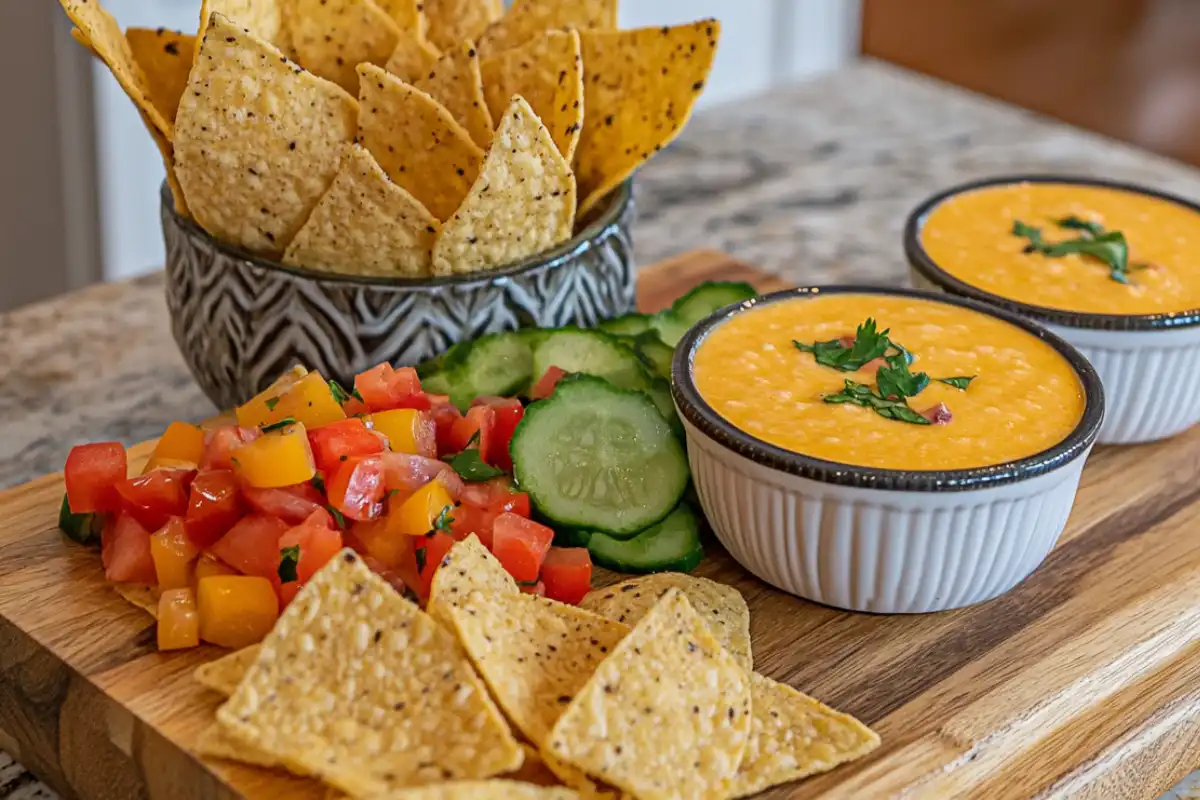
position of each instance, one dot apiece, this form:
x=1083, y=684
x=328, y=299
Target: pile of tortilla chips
x=649, y=694
x=402, y=138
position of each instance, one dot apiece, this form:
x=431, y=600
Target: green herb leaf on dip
x=961, y=383
x=860, y=394
x=1108, y=247
x=868, y=345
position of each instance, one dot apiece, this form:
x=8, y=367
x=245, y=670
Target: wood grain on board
x=1083, y=682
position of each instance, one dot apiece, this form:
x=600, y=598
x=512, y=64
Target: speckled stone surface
x=812, y=182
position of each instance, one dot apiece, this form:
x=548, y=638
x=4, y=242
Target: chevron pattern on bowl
x=240, y=321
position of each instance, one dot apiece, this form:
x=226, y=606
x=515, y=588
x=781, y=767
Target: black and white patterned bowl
x=240, y=321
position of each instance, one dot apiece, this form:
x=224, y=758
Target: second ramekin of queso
x=884, y=450
x=1112, y=268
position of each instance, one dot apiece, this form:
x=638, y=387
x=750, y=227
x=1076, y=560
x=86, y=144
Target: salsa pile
x=228, y=523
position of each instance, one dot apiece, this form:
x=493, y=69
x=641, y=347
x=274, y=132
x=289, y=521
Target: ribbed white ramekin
x=1149, y=363
x=877, y=540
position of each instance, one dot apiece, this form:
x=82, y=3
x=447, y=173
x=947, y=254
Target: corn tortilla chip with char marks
x=528, y=18
x=412, y=59
x=332, y=37
x=468, y=573
x=262, y=18
x=358, y=686
x=454, y=21
x=455, y=82
x=224, y=674
x=258, y=140
x=166, y=59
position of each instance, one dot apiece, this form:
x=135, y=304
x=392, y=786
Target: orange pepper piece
x=211, y=565
x=257, y=411
x=181, y=445
x=310, y=402
x=174, y=555
x=236, y=611
x=417, y=514
x=178, y=619
x=279, y=458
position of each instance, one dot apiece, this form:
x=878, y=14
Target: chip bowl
x=241, y=321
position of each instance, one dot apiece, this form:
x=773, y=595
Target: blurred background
x=79, y=175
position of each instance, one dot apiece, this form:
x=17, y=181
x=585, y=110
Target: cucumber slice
x=627, y=324
x=571, y=537
x=673, y=544
x=500, y=364
x=591, y=352
x=81, y=528
x=669, y=327
x=660, y=393
x=436, y=383
x=708, y=297
x=655, y=353
x=598, y=457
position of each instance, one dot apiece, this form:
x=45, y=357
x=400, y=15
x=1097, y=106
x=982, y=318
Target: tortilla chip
x=81, y=37
x=455, y=82
x=213, y=743
x=139, y=594
x=468, y=573
x=103, y=35
x=639, y=89
x=332, y=37
x=416, y=141
x=363, y=689
x=224, y=674
x=412, y=59
x=261, y=18
x=407, y=14
x=527, y=18
x=522, y=203
x=258, y=140
x=533, y=769
x=578, y=780
x=484, y=790
x=547, y=72
x=793, y=736
x=166, y=59
x=167, y=151
x=453, y=21
x=721, y=607
x=365, y=225
x=666, y=715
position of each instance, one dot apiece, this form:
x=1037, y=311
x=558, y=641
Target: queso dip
x=970, y=236
x=1024, y=398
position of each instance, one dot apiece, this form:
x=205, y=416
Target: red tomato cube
x=430, y=552
x=219, y=444
x=508, y=412
x=567, y=573
x=474, y=430
x=468, y=519
x=520, y=545
x=252, y=546
x=157, y=496
x=503, y=498
x=545, y=384
x=445, y=414
x=128, y=557
x=358, y=487
x=92, y=474
x=292, y=504
x=536, y=587
x=334, y=443
x=214, y=505
x=383, y=388
x=317, y=542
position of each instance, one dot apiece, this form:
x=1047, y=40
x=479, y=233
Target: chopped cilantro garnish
x=1108, y=247
x=318, y=483
x=271, y=402
x=339, y=394
x=337, y=516
x=471, y=467
x=289, y=558
x=868, y=345
x=859, y=394
x=420, y=554
x=444, y=520
x=960, y=382
x=280, y=425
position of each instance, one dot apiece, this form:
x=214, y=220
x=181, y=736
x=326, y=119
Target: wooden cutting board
x=1083, y=682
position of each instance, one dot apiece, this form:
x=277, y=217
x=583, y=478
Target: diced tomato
x=157, y=496
x=407, y=473
x=520, y=545
x=178, y=619
x=444, y=414
x=128, y=545
x=501, y=498
x=480, y=420
x=355, y=407
x=214, y=505
x=334, y=443
x=292, y=504
x=317, y=542
x=567, y=572
x=384, y=388
x=174, y=555
x=92, y=474
x=252, y=546
x=468, y=519
x=432, y=549
x=358, y=487
x=219, y=444
x=482, y=503
x=508, y=412
x=394, y=550
x=545, y=384
x=537, y=587
x=236, y=611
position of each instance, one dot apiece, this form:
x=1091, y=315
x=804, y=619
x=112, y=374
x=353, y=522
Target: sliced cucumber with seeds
x=673, y=544
x=627, y=324
x=660, y=394
x=708, y=297
x=500, y=364
x=599, y=457
x=654, y=352
x=591, y=352
x=669, y=327
x=436, y=383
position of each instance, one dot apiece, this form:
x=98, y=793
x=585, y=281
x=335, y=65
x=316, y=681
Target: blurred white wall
x=763, y=43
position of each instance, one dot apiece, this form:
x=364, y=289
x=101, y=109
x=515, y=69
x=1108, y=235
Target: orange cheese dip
x=1025, y=399
x=970, y=236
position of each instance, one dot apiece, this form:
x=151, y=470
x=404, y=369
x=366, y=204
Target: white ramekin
x=879, y=540
x=1149, y=363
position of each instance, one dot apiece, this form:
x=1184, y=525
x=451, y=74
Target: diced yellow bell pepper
x=174, y=555
x=236, y=611
x=310, y=401
x=181, y=445
x=278, y=458
x=178, y=619
x=258, y=410
x=417, y=515
x=211, y=565
x=402, y=427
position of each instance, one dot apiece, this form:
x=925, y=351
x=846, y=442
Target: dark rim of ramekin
x=928, y=269
x=699, y=413
x=610, y=213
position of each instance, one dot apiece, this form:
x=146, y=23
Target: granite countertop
x=811, y=182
